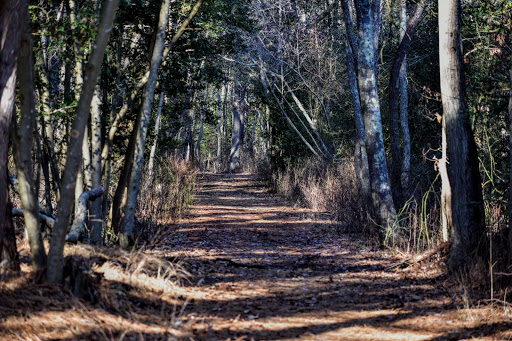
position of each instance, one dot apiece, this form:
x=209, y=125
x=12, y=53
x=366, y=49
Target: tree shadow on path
x=265, y=270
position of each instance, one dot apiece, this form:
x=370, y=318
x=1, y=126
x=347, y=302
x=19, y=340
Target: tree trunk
x=24, y=142
x=360, y=154
x=468, y=230
x=55, y=257
x=394, y=81
x=201, y=127
x=510, y=169
x=47, y=124
x=367, y=80
x=404, y=105
x=446, y=190
x=250, y=144
x=43, y=164
x=77, y=230
x=186, y=133
x=95, y=211
x=120, y=196
x=151, y=163
x=237, y=140
x=218, y=160
x=126, y=238
x=106, y=154
x=87, y=162
x=12, y=21
x=226, y=123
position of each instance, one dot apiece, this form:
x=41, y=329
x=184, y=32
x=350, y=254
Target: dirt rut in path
x=264, y=270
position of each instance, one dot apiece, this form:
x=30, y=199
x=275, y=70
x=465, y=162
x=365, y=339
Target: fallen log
x=441, y=248
x=45, y=219
x=15, y=187
x=78, y=228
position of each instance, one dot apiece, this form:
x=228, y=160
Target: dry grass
x=169, y=192
x=334, y=188
x=131, y=296
x=324, y=188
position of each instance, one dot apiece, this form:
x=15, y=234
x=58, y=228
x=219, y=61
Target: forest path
x=264, y=270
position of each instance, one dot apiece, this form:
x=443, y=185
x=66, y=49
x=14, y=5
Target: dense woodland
x=394, y=116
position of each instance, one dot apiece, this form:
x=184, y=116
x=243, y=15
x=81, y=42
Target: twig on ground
x=441, y=248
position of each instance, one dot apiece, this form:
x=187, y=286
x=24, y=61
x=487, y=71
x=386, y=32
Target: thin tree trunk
x=201, y=127
x=315, y=152
x=218, y=160
x=107, y=146
x=311, y=123
x=24, y=142
x=126, y=238
x=121, y=194
x=187, y=126
x=237, y=141
x=47, y=124
x=151, y=163
x=250, y=144
x=468, y=230
x=370, y=105
x=43, y=159
x=12, y=18
x=360, y=153
x=95, y=207
x=510, y=169
x=394, y=80
x=144, y=79
x=55, y=257
x=404, y=105
x=86, y=162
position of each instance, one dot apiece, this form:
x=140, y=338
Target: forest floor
x=265, y=270
x=253, y=267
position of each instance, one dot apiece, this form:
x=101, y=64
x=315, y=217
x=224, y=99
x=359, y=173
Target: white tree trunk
x=126, y=238
x=368, y=91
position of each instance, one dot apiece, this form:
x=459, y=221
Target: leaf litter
x=247, y=265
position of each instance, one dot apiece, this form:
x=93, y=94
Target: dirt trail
x=264, y=270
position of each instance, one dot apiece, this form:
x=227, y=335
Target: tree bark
x=237, y=140
x=55, y=257
x=12, y=21
x=126, y=238
x=360, y=153
x=120, y=196
x=201, y=127
x=404, y=105
x=23, y=149
x=218, y=160
x=368, y=91
x=151, y=163
x=95, y=211
x=77, y=230
x=510, y=167
x=394, y=81
x=468, y=230
x=186, y=133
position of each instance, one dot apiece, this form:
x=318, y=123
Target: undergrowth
x=324, y=188
x=334, y=187
x=169, y=192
